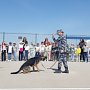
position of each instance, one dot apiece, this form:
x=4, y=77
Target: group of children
x=80, y=52
x=24, y=51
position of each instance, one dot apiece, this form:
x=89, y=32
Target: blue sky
x=45, y=16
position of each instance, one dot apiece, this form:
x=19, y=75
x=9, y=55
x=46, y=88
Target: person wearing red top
x=46, y=42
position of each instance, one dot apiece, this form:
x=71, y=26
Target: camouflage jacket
x=61, y=43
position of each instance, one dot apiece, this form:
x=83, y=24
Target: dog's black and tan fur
x=33, y=62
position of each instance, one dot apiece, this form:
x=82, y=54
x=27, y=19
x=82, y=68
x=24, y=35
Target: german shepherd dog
x=32, y=62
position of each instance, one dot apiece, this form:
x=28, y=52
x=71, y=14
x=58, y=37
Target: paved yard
x=79, y=76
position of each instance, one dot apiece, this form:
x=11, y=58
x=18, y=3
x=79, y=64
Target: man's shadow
x=54, y=69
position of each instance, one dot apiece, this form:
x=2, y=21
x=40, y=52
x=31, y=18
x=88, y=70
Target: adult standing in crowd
x=25, y=42
x=62, y=44
x=47, y=49
x=85, y=51
x=82, y=44
x=27, y=48
x=3, y=51
x=46, y=42
x=53, y=52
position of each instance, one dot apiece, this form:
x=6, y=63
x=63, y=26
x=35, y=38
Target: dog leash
x=53, y=64
x=42, y=65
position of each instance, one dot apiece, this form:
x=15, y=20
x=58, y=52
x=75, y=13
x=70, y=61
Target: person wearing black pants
x=85, y=53
x=20, y=55
x=3, y=49
x=81, y=44
x=3, y=55
x=82, y=55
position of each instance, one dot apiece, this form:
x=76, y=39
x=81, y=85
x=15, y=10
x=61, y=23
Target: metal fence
x=37, y=38
x=14, y=37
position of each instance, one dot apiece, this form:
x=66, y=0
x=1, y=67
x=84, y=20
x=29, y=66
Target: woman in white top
x=21, y=45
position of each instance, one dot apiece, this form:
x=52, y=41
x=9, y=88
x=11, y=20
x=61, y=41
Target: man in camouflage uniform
x=62, y=46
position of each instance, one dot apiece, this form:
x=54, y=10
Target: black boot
x=66, y=70
x=58, y=70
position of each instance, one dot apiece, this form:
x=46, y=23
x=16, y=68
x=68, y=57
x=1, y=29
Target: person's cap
x=10, y=42
x=60, y=31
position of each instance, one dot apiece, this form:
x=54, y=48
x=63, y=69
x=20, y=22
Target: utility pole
x=36, y=38
x=3, y=36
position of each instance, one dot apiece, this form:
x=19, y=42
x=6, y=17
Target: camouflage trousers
x=62, y=59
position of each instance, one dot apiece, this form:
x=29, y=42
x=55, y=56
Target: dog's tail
x=16, y=72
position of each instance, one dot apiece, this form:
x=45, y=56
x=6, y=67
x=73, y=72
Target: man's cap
x=60, y=31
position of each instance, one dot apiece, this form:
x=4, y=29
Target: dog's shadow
x=36, y=70
x=31, y=71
